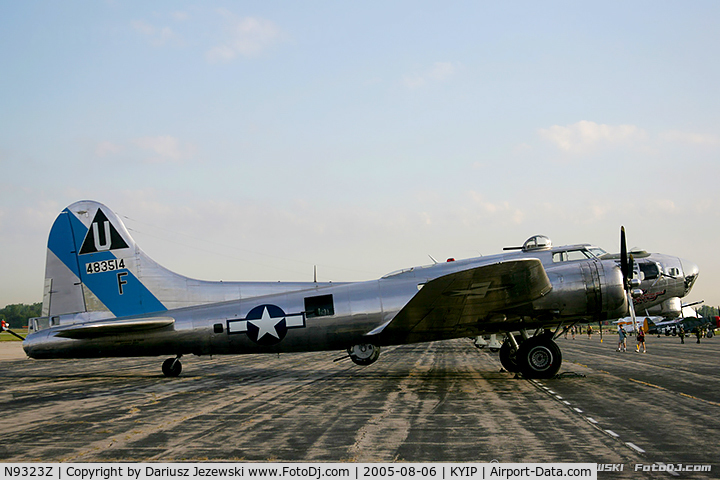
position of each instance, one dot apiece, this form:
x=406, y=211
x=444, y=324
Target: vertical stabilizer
x=93, y=265
x=95, y=268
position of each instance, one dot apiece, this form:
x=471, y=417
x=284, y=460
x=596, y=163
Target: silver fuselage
x=583, y=290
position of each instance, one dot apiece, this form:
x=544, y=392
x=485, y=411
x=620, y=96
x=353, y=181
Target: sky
x=244, y=140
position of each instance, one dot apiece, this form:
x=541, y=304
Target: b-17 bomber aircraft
x=104, y=297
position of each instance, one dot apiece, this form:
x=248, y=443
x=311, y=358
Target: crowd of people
x=640, y=335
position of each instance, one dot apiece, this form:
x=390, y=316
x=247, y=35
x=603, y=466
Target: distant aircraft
x=5, y=327
x=653, y=324
x=630, y=325
x=104, y=297
x=689, y=324
x=646, y=324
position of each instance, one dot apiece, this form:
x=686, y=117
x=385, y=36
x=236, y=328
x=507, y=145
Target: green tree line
x=17, y=314
x=707, y=311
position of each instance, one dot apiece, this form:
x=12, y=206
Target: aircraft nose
x=691, y=272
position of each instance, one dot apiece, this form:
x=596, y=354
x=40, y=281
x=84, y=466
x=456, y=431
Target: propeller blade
x=627, y=265
x=623, y=257
x=13, y=333
x=631, y=307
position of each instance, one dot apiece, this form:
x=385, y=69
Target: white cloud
x=439, y=72
x=158, y=36
x=143, y=27
x=165, y=148
x=180, y=16
x=500, y=209
x=583, y=136
x=690, y=138
x=30, y=220
x=662, y=206
x=442, y=71
x=244, y=36
x=220, y=53
x=103, y=149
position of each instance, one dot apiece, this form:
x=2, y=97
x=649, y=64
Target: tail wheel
x=539, y=357
x=364, y=353
x=172, y=367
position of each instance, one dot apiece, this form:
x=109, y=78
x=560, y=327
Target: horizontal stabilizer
x=464, y=298
x=114, y=327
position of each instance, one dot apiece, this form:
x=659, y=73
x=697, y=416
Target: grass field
x=6, y=337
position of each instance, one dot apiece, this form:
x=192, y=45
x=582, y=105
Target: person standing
x=622, y=339
x=682, y=333
x=640, y=341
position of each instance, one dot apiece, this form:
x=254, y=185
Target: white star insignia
x=266, y=324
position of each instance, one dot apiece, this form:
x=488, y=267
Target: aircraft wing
x=466, y=298
x=114, y=327
x=668, y=322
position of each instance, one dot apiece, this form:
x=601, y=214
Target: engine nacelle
x=670, y=308
x=588, y=290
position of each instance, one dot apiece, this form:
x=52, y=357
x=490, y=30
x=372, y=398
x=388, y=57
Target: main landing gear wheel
x=172, y=367
x=508, y=356
x=364, y=354
x=539, y=357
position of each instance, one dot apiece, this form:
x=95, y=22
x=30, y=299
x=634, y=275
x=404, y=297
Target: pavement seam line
x=672, y=391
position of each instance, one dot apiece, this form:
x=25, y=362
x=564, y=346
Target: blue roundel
x=266, y=324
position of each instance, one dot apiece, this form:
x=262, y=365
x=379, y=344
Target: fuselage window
x=570, y=255
x=320, y=306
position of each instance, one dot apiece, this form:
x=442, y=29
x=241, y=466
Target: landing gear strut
x=508, y=354
x=536, y=357
x=172, y=367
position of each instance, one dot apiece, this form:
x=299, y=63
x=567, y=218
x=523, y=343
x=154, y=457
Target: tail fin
x=94, y=265
x=94, y=268
x=648, y=324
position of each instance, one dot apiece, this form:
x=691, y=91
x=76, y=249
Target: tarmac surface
x=441, y=402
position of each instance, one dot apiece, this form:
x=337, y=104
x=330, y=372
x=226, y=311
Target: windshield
x=582, y=253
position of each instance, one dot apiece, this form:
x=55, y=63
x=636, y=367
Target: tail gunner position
x=104, y=297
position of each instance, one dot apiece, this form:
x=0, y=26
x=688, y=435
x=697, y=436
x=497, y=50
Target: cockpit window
x=571, y=255
x=650, y=270
x=597, y=251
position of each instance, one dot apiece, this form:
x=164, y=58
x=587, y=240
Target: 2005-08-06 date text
x=399, y=471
